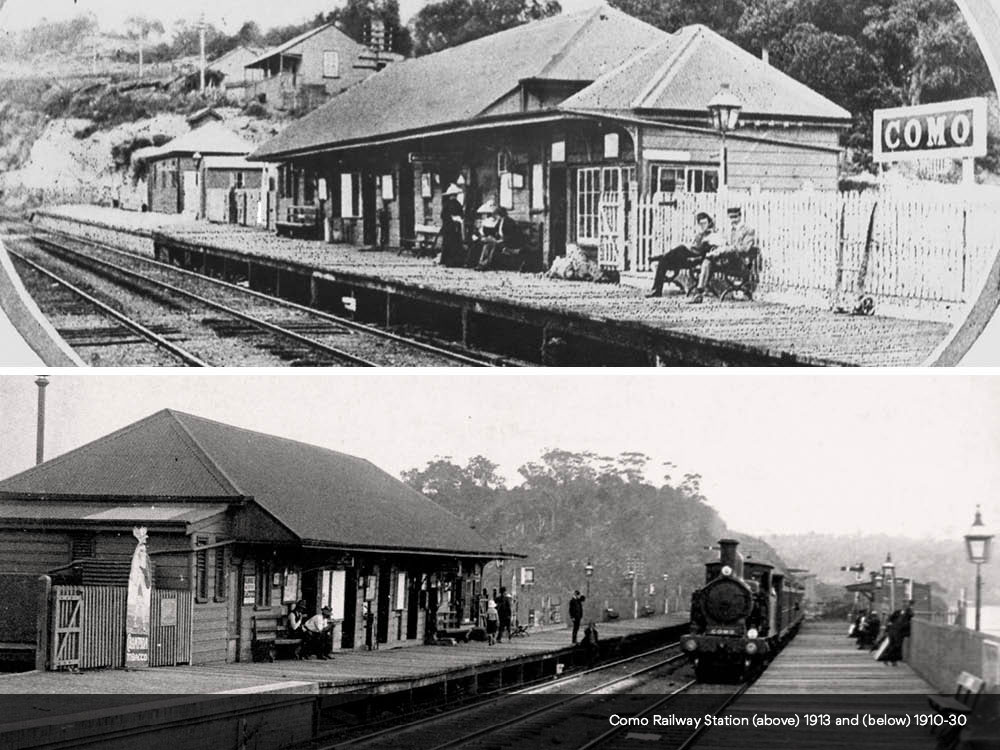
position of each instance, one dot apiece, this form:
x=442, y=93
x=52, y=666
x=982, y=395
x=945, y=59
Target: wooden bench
x=968, y=688
x=270, y=635
x=424, y=244
x=733, y=272
x=300, y=221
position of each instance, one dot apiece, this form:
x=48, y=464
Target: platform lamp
x=666, y=594
x=500, y=570
x=877, y=580
x=588, y=571
x=889, y=576
x=977, y=544
x=724, y=109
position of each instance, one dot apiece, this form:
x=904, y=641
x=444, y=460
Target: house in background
x=547, y=118
x=204, y=174
x=312, y=67
x=241, y=525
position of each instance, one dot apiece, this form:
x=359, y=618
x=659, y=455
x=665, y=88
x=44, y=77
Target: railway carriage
x=741, y=616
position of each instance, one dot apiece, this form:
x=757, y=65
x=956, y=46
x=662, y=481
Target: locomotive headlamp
x=751, y=648
x=690, y=644
x=726, y=570
x=752, y=633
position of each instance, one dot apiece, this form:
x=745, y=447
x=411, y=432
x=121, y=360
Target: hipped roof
x=322, y=496
x=460, y=83
x=683, y=72
x=210, y=138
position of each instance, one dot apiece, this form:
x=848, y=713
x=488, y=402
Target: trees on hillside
x=139, y=28
x=448, y=23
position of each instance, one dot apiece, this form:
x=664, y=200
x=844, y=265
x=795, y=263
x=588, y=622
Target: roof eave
x=478, y=123
x=405, y=550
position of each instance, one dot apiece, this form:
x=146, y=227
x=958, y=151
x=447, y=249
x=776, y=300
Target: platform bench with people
x=271, y=638
x=715, y=262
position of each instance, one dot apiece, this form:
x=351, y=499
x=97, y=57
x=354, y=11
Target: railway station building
x=546, y=118
x=241, y=525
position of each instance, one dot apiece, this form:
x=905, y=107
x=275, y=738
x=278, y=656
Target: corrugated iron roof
x=210, y=138
x=295, y=41
x=460, y=83
x=682, y=73
x=318, y=494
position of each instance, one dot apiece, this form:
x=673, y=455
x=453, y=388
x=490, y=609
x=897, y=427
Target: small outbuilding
x=241, y=525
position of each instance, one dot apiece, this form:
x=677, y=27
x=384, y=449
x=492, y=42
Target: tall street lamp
x=666, y=594
x=977, y=544
x=889, y=576
x=724, y=109
x=589, y=572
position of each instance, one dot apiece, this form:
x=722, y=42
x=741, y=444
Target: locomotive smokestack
x=727, y=552
x=41, y=382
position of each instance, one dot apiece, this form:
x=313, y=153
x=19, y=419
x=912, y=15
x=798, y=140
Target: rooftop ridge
x=203, y=456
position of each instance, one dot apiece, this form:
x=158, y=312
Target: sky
x=908, y=454
x=226, y=14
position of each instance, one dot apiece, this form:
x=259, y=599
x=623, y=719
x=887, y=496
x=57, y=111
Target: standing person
x=683, y=256
x=893, y=653
x=505, y=612
x=737, y=241
x=590, y=644
x=576, y=612
x=492, y=622
x=452, y=224
x=319, y=634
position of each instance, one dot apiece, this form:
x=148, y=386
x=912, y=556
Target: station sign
x=946, y=130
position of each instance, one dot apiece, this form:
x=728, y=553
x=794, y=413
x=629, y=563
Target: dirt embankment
x=65, y=141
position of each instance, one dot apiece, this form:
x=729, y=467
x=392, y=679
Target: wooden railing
x=933, y=247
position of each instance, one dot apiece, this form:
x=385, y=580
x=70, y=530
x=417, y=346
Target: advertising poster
x=137, y=605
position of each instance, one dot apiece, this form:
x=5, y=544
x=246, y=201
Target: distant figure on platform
x=507, y=240
x=576, y=612
x=506, y=612
x=319, y=634
x=297, y=619
x=492, y=622
x=452, y=223
x=738, y=240
x=870, y=629
x=683, y=256
x=590, y=644
x=893, y=653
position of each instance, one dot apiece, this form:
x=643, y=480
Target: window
x=263, y=593
x=220, y=574
x=537, y=187
x=559, y=151
x=331, y=64
x=400, y=590
x=611, y=145
x=82, y=545
x=669, y=178
x=591, y=183
x=201, y=569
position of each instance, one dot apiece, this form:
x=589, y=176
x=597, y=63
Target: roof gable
x=337, y=36
x=460, y=83
x=320, y=495
x=682, y=73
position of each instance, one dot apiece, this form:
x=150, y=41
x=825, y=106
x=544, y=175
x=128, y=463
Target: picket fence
x=934, y=246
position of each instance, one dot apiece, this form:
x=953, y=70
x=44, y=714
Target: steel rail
x=346, y=322
x=252, y=319
x=184, y=355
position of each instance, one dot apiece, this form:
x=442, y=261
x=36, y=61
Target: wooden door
x=191, y=194
x=233, y=613
x=369, y=202
x=557, y=212
x=384, y=605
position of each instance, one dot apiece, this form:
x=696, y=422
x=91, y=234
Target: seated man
x=508, y=240
x=318, y=632
x=738, y=241
x=683, y=256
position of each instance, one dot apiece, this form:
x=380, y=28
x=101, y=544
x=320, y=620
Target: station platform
x=530, y=307
x=823, y=674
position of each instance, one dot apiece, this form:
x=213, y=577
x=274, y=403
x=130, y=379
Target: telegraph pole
x=201, y=42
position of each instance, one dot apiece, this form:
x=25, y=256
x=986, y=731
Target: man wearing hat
x=739, y=240
x=683, y=256
x=318, y=631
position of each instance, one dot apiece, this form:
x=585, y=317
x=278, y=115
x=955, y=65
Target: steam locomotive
x=742, y=615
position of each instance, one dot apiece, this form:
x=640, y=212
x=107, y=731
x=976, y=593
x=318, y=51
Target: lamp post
x=877, y=580
x=666, y=594
x=724, y=110
x=889, y=576
x=977, y=544
x=589, y=573
x=499, y=574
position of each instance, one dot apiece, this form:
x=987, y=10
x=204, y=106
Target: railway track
x=248, y=327
x=546, y=715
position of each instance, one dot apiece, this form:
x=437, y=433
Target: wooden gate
x=66, y=606
x=612, y=230
x=88, y=627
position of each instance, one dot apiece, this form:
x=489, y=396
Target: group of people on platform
x=498, y=616
x=886, y=639
x=495, y=234
x=316, y=632
x=708, y=246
